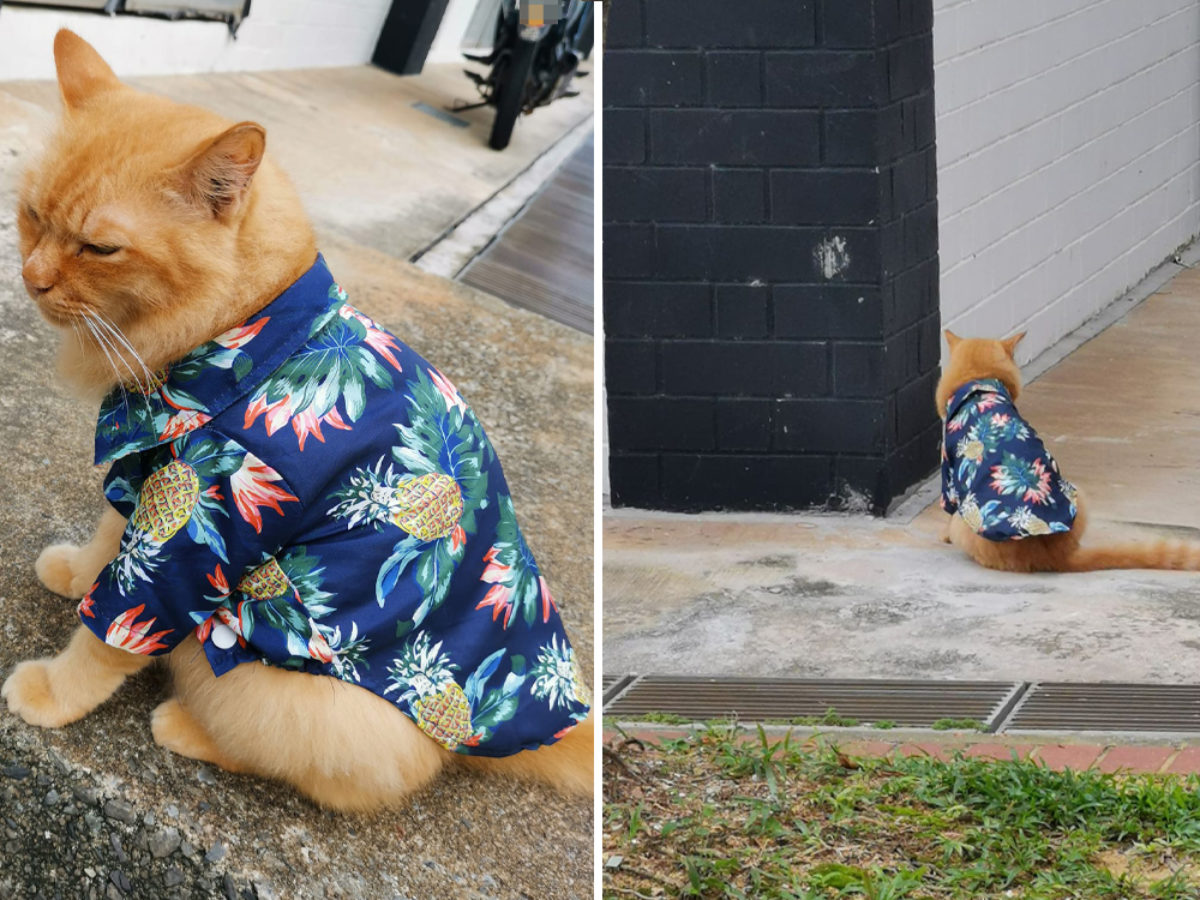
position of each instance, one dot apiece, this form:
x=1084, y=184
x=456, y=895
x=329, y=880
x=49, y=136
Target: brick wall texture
x=1068, y=156
x=770, y=252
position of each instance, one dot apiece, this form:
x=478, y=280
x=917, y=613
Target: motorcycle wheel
x=511, y=92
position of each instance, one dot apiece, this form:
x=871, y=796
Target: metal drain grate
x=1058, y=706
x=613, y=685
x=907, y=703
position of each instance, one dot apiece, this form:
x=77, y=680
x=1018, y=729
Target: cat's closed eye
x=98, y=249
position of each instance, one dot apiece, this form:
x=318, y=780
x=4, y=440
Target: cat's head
x=972, y=359
x=138, y=211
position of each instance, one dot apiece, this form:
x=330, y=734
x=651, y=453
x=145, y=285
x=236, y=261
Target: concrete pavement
x=844, y=596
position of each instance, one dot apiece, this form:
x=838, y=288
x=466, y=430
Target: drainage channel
x=1150, y=708
x=614, y=685
x=998, y=706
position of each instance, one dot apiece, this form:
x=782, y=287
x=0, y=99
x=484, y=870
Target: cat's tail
x=567, y=765
x=1157, y=555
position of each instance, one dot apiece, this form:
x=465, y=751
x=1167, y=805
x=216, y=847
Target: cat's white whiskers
x=78, y=336
x=104, y=324
x=120, y=335
x=107, y=344
x=100, y=342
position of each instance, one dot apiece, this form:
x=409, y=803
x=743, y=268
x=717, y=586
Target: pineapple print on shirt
x=428, y=507
x=164, y=505
x=184, y=493
x=266, y=582
x=167, y=500
x=437, y=701
x=454, y=716
x=443, y=446
x=372, y=540
x=556, y=676
x=996, y=472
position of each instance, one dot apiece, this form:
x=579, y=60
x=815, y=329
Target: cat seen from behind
x=305, y=520
x=1010, y=508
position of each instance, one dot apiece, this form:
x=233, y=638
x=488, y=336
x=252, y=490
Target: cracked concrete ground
x=97, y=809
x=850, y=596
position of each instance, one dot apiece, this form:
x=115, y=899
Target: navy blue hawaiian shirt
x=306, y=491
x=996, y=472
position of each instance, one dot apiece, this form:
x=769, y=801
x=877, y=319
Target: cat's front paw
x=29, y=692
x=55, y=569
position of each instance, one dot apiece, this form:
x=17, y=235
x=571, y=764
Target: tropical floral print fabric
x=306, y=491
x=996, y=472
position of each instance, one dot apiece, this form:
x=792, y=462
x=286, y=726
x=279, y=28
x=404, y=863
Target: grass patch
x=831, y=718
x=958, y=725
x=719, y=815
x=662, y=718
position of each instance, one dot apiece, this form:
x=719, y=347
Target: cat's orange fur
x=972, y=359
x=209, y=231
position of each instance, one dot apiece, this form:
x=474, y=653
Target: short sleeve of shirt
x=202, y=510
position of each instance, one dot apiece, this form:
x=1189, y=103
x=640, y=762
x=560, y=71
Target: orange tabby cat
x=171, y=222
x=976, y=359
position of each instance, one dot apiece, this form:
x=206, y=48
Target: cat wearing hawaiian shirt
x=306, y=519
x=1009, y=506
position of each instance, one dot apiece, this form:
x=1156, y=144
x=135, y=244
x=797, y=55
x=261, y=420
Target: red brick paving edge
x=1130, y=758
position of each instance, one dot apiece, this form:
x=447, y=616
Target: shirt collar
x=192, y=390
x=970, y=389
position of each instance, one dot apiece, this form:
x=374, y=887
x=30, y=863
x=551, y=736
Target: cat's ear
x=217, y=176
x=952, y=339
x=82, y=73
x=1010, y=344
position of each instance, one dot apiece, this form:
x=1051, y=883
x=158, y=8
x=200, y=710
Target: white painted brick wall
x=448, y=42
x=1068, y=142
x=278, y=34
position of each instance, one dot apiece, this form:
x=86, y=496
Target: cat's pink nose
x=38, y=280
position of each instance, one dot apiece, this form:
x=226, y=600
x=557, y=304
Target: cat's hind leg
x=341, y=745
x=177, y=730
x=71, y=570
x=1004, y=555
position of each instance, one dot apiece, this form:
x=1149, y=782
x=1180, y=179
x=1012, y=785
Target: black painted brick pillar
x=407, y=34
x=770, y=252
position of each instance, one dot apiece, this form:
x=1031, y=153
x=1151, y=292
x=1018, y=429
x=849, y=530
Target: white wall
x=1068, y=143
x=278, y=34
x=447, y=44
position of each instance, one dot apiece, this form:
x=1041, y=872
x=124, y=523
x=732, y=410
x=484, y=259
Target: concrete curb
x=1104, y=753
